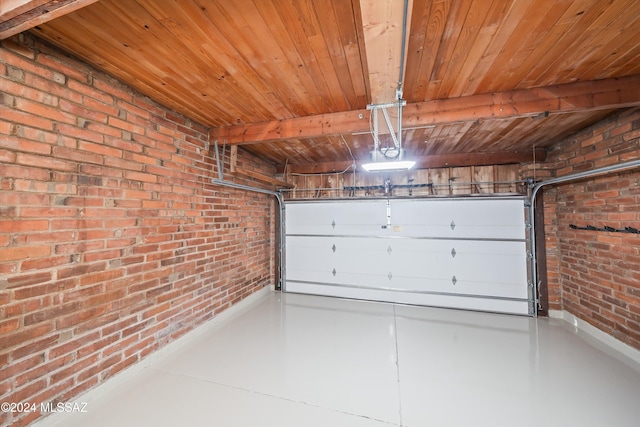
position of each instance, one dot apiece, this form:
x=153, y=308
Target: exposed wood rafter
x=582, y=96
x=17, y=16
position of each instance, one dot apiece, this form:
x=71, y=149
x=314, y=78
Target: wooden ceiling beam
x=9, y=9
x=582, y=96
x=433, y=161
x=17, y=16
x=382, y=23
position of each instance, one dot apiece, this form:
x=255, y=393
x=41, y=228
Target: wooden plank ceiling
x=486, y=81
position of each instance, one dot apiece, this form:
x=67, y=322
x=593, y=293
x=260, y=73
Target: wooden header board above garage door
x=468, y=253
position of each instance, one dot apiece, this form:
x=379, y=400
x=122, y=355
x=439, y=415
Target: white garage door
x=468, y=253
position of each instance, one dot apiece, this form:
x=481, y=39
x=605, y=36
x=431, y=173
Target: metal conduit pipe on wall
x=278, y=197
x=573, y=177
x=222, y=182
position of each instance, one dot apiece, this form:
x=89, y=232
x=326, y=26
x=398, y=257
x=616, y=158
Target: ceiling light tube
x=388, y=159
x=393, y=165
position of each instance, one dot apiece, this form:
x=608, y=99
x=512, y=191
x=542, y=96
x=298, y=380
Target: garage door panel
x=482, y=259
x=459, y=286
x=345, y=255
x=335, y=218
x=458, y=218
x=480, y=212
x=369, y=256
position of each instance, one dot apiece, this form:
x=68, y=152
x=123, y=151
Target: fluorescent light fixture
x=393, y=161
x=390, y=165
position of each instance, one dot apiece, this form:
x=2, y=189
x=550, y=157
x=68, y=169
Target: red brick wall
x=113, y=242
x=595, y=275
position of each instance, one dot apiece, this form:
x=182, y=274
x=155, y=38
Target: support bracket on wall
x=606, y=228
